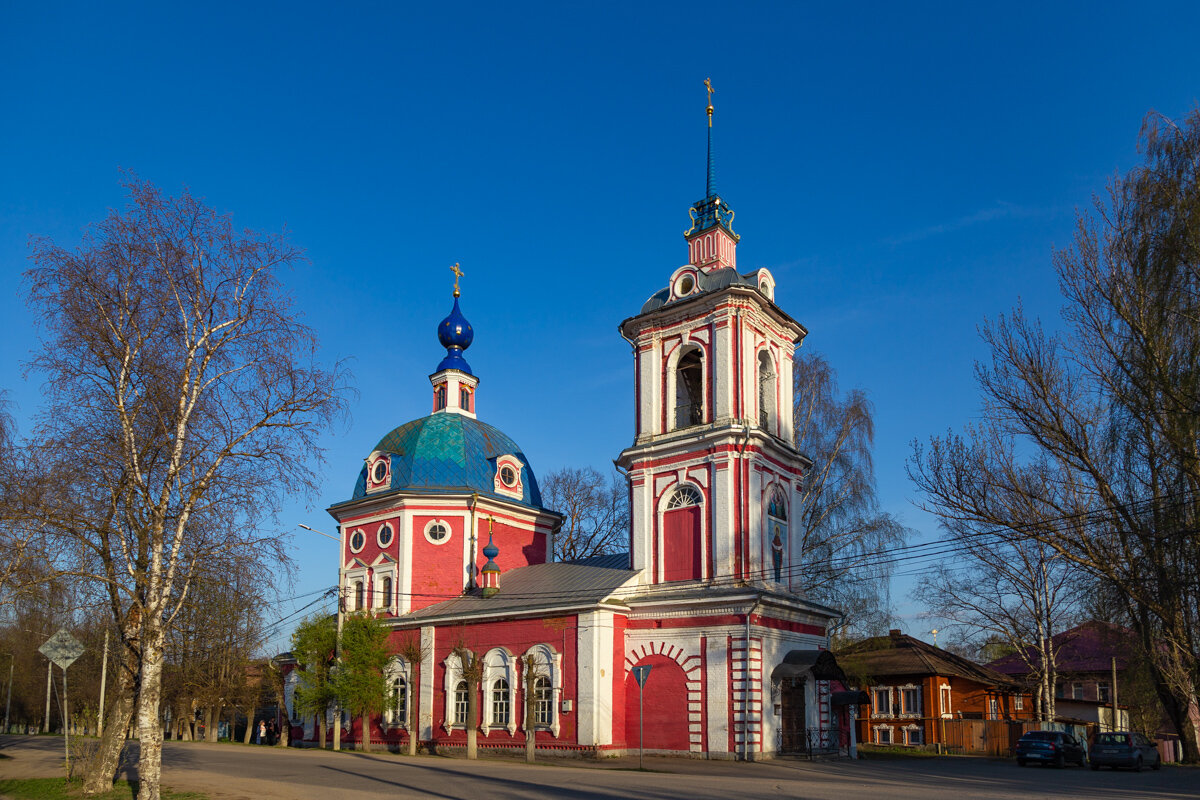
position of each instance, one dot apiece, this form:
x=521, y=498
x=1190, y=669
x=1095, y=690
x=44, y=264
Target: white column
x=594, y=678
x=428, y=671
x=717, y=678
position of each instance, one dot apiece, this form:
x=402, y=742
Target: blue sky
x=905, y=170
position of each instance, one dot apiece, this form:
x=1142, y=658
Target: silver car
x=1123, y=749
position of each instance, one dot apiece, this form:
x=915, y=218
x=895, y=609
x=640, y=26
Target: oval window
x=379, y=471
x=385, y=535
x=508, y=476
x=357, y=540
x=437, y=532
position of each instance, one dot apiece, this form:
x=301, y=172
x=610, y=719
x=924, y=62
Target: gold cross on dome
x=708, y=86
x=458, y=273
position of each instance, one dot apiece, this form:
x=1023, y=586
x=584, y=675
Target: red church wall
x=518, y=636
x=666, y=715
x=519, y=546
x=437, y=569
x=619, y=711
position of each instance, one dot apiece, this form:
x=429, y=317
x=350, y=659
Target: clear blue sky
x=904, y=169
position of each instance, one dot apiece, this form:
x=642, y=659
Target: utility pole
x=103, y=681
x=1114, y=693
x=8, y=704
x=46, y=719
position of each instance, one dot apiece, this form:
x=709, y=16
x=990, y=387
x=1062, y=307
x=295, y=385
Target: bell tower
x=713, y=467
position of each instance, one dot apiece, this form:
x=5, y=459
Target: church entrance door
x=792, y=717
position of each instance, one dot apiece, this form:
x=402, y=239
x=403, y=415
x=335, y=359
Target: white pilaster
x=428, y=670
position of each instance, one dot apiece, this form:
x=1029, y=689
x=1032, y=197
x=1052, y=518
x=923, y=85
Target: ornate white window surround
x=879, y=695
x=454, y=675
x=498, y=665
x=394, y=717
x=547, y=663
x=909, y=693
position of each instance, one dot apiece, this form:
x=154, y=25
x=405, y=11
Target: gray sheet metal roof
x=533, y=588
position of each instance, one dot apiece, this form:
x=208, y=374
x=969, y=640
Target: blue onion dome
x=491, y=551
x=456, y=335
x=450, y=453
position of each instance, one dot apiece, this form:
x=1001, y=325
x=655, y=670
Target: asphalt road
x=226, y=772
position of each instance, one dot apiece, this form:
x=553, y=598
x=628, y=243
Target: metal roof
x=533, y=588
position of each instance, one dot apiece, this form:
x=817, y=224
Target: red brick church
x=447, y=537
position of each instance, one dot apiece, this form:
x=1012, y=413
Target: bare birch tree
x=1104, y=413
x=185, y=399
x=844, y=536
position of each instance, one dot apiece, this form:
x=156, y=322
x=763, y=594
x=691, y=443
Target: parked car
x=1050, y=747
x=1124, y=749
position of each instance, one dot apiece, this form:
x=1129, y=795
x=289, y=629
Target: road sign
x=640, y=674
x=62, y=648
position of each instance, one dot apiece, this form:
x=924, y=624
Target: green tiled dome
x=450, y=452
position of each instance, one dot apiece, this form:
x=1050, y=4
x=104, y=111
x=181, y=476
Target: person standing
x=262, y=731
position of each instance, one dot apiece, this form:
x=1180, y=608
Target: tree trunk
x=319, y=721
x=472, y=719
x=364, y=739
x=530, y=727
x=413, y=694
x=149, y=728
x=249, y=736
x=103, y=769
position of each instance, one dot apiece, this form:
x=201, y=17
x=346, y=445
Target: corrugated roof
x=533, y=588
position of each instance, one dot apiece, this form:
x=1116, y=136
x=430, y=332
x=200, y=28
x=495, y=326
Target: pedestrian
x=262, y=731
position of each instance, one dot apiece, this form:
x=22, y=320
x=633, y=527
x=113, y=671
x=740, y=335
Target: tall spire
x=711, y=213
x=709, y=184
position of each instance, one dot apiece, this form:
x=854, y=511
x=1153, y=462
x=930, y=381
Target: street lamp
x=319, y=533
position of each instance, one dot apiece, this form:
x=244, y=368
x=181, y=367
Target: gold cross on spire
x=708, y=86
x=458, y=273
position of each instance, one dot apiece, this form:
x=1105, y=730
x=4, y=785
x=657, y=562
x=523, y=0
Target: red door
x=681, y=544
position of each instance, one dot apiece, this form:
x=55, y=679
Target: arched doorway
x=666, y=707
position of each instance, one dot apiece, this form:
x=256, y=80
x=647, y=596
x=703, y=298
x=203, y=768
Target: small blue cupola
x=453, y=382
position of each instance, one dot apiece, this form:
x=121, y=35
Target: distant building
x=913, y=686
x=446, y=535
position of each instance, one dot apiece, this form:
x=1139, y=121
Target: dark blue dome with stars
x=456, y=335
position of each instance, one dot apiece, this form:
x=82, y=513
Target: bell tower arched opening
x=689, y=388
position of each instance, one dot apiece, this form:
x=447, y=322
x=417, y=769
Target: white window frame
x=549, y=663
x=397, y=668
x=881, y=729
x=498, y=664
x=875, y=712
x=386, y=568
x=349, y=578
x=1019, y=702
x=454, y=674
x=902, y=696
x=914, y=731
x=444, y=523
x=945, y=700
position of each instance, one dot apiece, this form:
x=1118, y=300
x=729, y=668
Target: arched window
x=681, y=541
x=501, y=703
x=543, y=702
x=439, y=398
x=766, y=391
x=777, y=531
x=385, y=593
x=358, y=596
x=541, y=677
x=395, y=713
x=689, y=389
x=497, y=680
x=460, y=703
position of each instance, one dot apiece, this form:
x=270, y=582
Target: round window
x=508, y=476
x=437, y=532
x=385, y=535
x=685, y=285
x=379, y=471
x=357, y=540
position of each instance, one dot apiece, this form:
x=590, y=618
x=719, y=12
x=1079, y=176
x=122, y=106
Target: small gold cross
x=458, y=273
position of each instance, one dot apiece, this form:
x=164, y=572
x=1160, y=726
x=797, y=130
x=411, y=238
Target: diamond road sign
x=62, y=648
